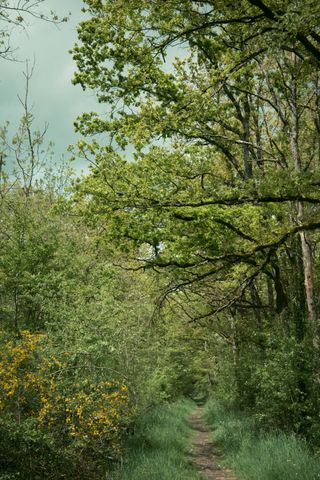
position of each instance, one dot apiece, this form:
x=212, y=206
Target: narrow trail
x=205, y=455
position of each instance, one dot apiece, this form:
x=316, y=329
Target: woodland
x=185, y=263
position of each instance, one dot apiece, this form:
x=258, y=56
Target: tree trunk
x=305, y=241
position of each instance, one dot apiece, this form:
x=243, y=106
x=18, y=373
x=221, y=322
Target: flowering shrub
x=49, y=395
x=89, y=412
x=20, y=380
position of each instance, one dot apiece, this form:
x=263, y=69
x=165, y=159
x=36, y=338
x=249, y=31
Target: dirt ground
x=205, y=454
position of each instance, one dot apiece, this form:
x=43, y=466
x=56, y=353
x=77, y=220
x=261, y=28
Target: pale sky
x=55, y=100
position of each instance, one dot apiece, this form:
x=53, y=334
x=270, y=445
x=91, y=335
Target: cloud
x=55, y=100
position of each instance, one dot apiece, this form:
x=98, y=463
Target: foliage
x=80, y=358
x=40, y=396
x=219, y=106
x=204, y=189
x=228, y=167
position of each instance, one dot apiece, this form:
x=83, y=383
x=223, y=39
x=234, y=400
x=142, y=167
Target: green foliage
x=49, y=411
x=65, y=382
x=215, y=220
x=283, y=386
x=82, y=355
x=224, y=138
x=183, y=364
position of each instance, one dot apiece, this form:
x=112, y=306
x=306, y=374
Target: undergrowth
x=159, y=448
x=254, y=454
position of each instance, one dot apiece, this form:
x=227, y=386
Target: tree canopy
x=218, y=107
x=230, y=110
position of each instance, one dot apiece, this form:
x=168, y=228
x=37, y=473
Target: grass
x=159, y=448
x=258, y=455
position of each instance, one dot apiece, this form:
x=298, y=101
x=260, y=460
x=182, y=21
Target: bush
x=52, y=414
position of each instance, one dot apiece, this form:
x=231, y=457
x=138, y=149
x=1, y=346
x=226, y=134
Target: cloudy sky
x=55, y=100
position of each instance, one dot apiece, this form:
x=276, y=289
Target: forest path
x=205, y=455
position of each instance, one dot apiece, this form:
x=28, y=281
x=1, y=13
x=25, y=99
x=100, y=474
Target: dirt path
x=205, y=455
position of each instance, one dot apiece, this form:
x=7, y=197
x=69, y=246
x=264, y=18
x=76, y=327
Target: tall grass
x=159, y=448
x=256, y=455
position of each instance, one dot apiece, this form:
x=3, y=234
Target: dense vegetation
x=221, y=108
x=80, y=357
x=185, y=263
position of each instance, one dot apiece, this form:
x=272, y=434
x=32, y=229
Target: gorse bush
x=21, y=381
x=259, y=455
x=49, y=409
x=88, y=412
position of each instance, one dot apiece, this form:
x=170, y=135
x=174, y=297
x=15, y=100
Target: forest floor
x=205, y=454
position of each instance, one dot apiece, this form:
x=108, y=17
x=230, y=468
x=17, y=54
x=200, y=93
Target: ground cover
x=254, y=454
x=161, y=445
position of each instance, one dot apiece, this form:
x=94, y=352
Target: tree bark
x=305, y=241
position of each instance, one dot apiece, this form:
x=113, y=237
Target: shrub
x=52, y=411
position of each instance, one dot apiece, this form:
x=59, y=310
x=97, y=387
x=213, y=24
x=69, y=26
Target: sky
x=53, y=98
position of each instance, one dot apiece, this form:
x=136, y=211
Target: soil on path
x=205, y=455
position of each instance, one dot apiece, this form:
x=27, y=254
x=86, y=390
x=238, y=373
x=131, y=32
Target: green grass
x=159, y=448
x=256, y=455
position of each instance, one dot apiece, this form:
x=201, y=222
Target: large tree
x=220, y=106
x=231, y=114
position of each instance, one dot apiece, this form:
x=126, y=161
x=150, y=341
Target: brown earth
x=205, y=454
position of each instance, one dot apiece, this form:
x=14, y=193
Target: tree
x=227, y=206
x=15, y=15
x=222, y=114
